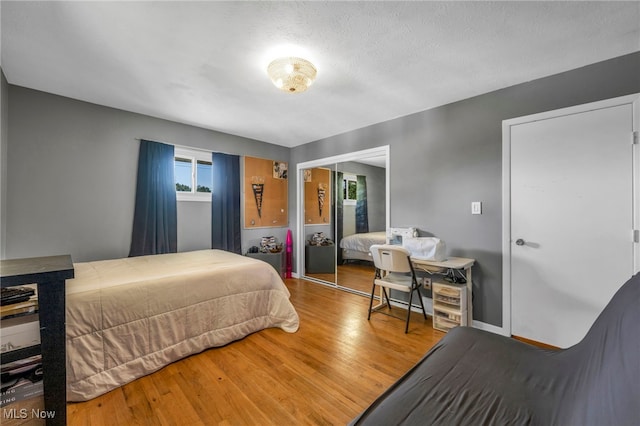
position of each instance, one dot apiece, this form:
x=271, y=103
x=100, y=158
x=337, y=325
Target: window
x=193, y=172
x=183, y=174
x=349, y=189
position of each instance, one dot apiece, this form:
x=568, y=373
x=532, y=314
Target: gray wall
x=72, y=172
x=4, y=115
x=71, y=176
x=444, y=158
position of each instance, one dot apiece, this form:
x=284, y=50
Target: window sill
x=193, y=197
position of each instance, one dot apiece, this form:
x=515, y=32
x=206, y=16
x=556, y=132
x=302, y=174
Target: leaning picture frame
x=280, y=169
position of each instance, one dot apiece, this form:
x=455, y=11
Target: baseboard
x=488, y=327
x=536, y=343
x=428, y=305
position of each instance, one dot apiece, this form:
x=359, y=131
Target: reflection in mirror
x=360, y=219
x=357, y=184
x=320, y=248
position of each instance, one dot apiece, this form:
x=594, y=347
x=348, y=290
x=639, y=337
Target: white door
x=572, y=209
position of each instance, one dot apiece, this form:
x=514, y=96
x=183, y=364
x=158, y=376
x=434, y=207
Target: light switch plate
x=476, y=207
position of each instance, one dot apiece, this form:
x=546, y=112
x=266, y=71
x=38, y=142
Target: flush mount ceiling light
x=291, y=74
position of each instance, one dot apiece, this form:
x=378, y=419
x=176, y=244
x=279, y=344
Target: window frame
x=346, y=178
x=193, y=155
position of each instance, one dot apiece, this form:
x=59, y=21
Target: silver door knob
x=519, y=242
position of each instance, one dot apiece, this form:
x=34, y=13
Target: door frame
x=634, y=100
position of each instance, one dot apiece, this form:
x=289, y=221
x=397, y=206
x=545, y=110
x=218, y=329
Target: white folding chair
x=394, y=271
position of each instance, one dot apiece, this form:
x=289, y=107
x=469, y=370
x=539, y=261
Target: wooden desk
x=50, y=274
x=458, y=263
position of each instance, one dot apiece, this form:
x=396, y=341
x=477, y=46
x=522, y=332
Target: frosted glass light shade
x=292, y=75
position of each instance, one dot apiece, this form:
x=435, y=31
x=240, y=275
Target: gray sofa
x=473, y=377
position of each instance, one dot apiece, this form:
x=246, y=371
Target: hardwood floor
x=356, y=275
x=326, y=373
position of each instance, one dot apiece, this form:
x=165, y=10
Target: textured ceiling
x=203, y=63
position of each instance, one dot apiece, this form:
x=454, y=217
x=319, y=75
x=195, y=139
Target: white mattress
x=362, y=242
x=130, y=317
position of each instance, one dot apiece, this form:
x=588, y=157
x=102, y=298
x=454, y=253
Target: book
x=15, y=294
x=19, y=368
x=20, y=391
x=19, y=332
x=21, y=379
x=28, y=307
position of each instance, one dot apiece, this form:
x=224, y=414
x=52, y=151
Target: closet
x=327, y=212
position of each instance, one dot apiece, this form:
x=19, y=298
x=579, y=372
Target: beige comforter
x=129, y=317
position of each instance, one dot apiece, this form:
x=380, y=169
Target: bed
x=356, y=246
x=476, y=377
x=126, y=318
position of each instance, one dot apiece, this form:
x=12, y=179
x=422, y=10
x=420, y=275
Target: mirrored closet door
x=343, y=209
x=319, y=223
x=361, y=219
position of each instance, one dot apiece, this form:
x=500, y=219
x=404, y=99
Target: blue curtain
x=225, y=203
x=338, y=199
x=155, y=220
x=362, y=214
